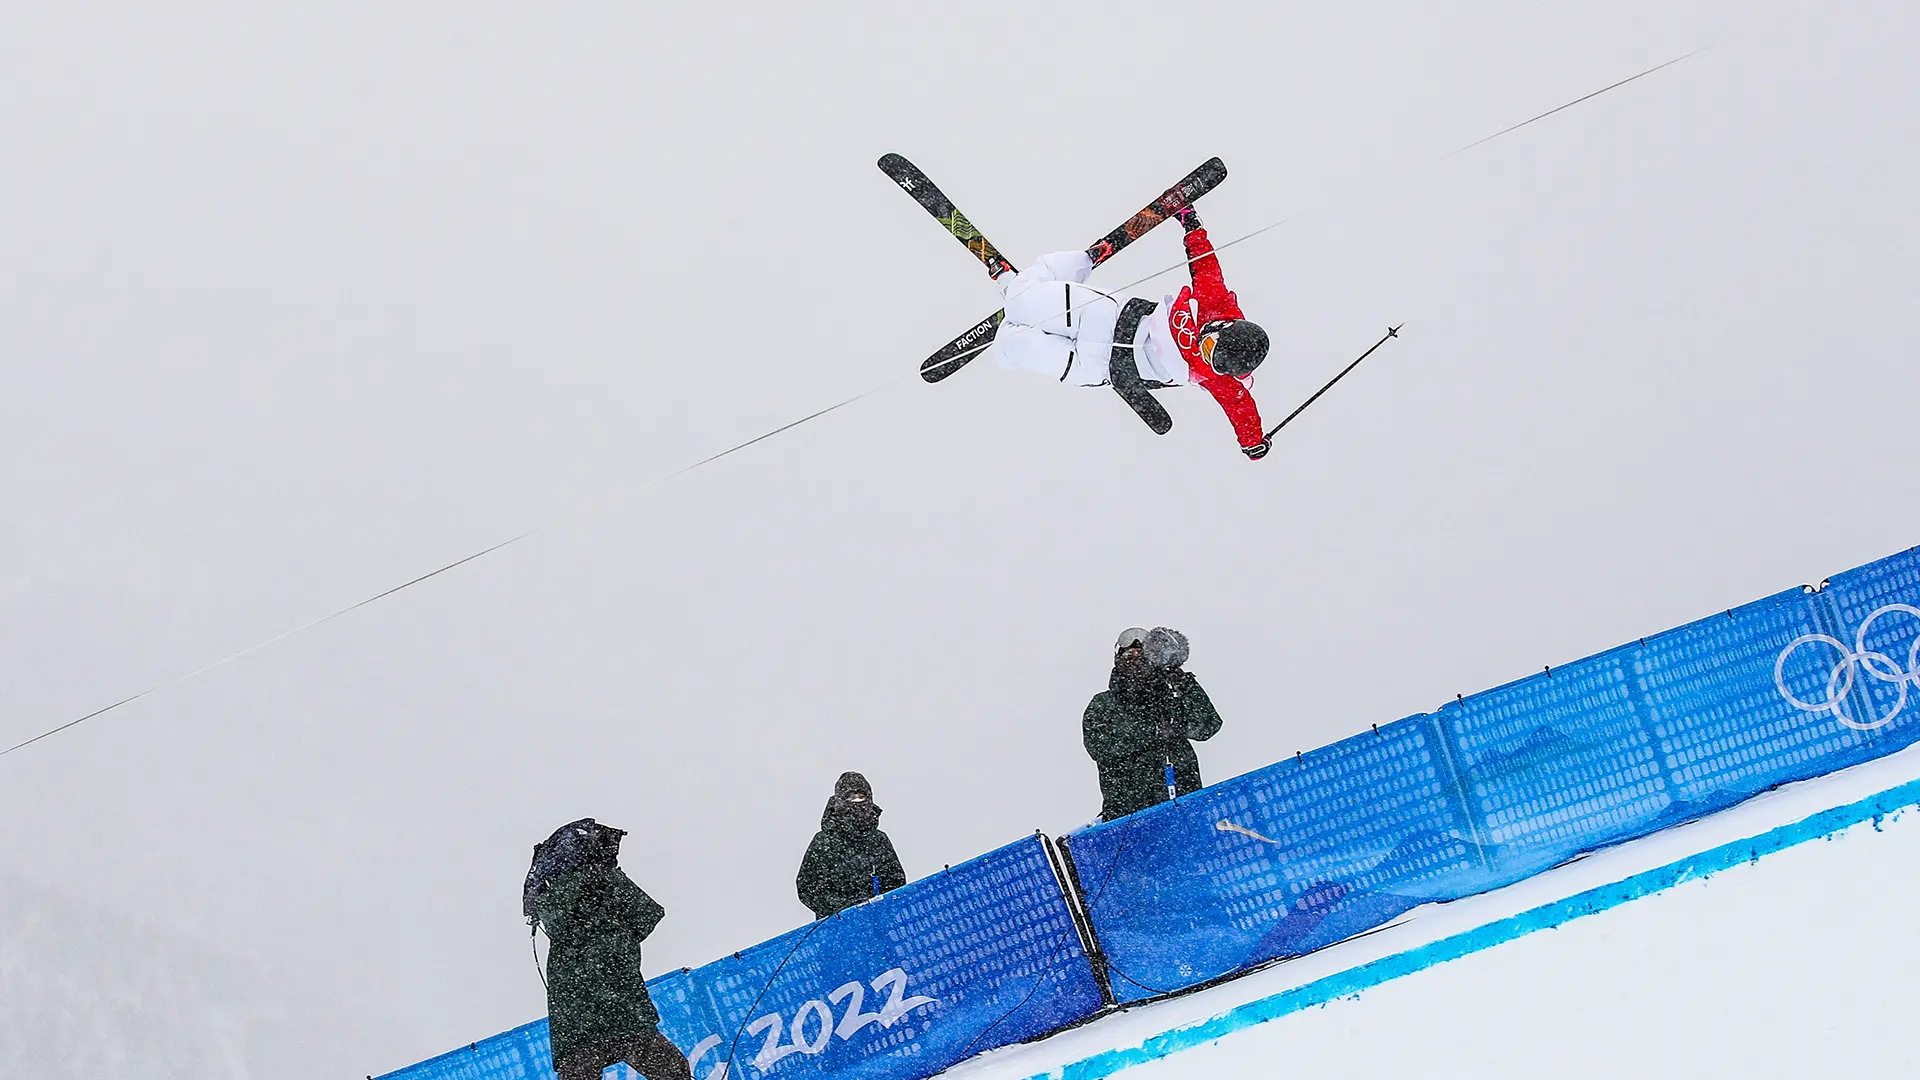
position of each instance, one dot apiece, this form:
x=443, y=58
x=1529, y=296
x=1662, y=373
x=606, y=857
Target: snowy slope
x=1772, y=939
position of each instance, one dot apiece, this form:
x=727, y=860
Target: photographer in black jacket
x=1139, y=731
x=598, y=1010
x=850, y=860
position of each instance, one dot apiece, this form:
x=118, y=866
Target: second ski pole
x=1392, y=332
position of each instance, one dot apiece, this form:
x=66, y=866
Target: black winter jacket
x=1136, y=727
x=846, y=856
x=596, y=918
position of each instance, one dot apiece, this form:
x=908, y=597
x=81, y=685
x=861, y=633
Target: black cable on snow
x=747, y=1017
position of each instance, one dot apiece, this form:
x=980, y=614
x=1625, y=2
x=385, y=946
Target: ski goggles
x=1210, y=337
x=1133, y=637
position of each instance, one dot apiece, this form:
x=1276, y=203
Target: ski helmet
x=1238, y=346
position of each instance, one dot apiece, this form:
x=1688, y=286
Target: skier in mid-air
x=1059, y=326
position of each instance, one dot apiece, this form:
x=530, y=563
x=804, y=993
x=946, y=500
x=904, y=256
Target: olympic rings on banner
x=1857, y=658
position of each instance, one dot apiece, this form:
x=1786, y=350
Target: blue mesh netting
x=1877, y=621
x=1555, y=763
x=1276, y=862
x=1281, y=861
x=980, y=955
x=1723, y=726
x=520, y=1054
x=975, y=957
x=1502, y=784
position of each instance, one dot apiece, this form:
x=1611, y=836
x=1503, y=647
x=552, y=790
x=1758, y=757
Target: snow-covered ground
x=1794, y=962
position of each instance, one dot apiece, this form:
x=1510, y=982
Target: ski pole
x=1392, y=332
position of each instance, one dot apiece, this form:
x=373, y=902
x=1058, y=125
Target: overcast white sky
x=300, y=302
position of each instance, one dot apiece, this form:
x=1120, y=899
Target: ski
x=935, y=202
x=1192, y=186
x=956, y=353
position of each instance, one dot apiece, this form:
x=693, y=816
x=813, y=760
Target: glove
x=1257, y=450
x=1189, y=217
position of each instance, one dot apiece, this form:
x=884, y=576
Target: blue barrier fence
x=1489, y=789
x=1503, y=784
x=978, y=956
